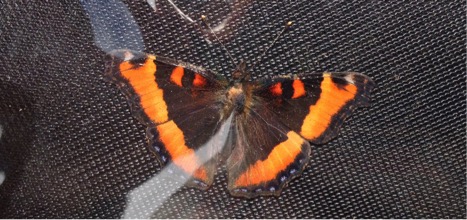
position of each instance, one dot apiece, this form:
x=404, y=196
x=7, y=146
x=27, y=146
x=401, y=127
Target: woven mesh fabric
x=70, y=148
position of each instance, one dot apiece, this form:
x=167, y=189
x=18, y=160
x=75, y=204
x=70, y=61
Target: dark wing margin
x=180, y=106
x=315, y=106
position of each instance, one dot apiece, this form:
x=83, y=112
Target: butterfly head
x=240, y=73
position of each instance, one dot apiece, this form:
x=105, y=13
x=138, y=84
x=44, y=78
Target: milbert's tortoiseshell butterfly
x=261, y=129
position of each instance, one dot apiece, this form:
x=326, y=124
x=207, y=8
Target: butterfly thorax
x=238, y=94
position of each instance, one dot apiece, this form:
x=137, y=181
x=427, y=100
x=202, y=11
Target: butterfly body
x=261, y=129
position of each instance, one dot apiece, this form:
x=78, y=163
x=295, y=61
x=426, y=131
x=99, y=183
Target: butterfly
x=261, y=129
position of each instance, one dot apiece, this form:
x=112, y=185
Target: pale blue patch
x=113, y=25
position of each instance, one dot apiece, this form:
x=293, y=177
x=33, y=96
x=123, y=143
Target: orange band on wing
x=174, y=140
x=199, y=80
x=277, y=161
x=276, y=89
x=330, y=102
x=298, y=89
x=143, y=80
x=177, y=75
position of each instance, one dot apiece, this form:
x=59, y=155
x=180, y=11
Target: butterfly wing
x=179, y=103
x=315, y=106
x=272, y=145
x=266, y=154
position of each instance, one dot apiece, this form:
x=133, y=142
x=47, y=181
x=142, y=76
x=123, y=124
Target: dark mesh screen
x=70, y=148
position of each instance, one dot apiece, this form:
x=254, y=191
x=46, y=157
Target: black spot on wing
x=188, y=77
x=287, y=89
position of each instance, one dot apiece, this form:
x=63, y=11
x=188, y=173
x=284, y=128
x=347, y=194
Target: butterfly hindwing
x=266, y=154
x=179, y=103
x=315, y=106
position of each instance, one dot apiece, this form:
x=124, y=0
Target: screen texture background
x=70, y=148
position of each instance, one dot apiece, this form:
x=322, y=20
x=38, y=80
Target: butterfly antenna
x=270, y=45
x=204, y=18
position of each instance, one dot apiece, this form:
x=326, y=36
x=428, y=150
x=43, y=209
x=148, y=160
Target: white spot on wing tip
x=349, y=78
x=128, y=56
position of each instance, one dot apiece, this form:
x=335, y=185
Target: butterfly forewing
x=315, y=105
